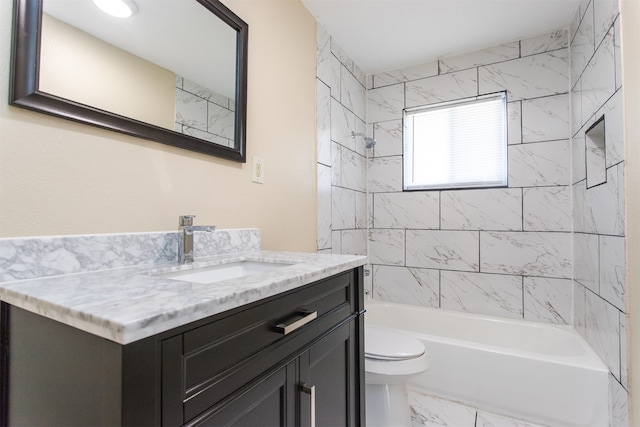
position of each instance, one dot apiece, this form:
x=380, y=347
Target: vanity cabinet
x=294, y=359
x=311, y=390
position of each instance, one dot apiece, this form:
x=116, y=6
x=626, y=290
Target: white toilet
x=391, y=357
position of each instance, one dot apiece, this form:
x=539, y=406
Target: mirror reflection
x=151, y=67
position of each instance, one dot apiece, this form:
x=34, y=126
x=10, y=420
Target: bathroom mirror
x=174, y=72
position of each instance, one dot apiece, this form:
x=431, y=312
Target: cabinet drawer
x=213, y=360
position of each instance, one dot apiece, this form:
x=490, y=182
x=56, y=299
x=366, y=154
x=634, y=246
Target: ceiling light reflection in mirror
x=151, y=67
x=117, y=8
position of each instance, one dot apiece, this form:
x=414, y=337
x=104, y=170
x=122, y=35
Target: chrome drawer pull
x=288, y=328
x=311, y=391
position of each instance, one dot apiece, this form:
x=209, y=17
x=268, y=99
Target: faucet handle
x=186, y=220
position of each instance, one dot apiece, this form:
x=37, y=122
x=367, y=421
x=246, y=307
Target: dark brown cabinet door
x=328, y=372
x=269, y=403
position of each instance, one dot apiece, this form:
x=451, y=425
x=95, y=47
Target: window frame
x=502, y=96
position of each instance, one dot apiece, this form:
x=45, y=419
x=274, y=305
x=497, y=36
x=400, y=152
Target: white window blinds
x=460, y=144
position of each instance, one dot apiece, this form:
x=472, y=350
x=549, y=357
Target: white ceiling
x=385, y=35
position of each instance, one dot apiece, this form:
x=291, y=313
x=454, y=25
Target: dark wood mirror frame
x=24, y=91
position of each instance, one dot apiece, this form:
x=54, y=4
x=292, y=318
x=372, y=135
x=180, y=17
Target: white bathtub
x=541, y=373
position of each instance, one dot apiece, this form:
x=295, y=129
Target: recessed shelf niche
x=596, y=154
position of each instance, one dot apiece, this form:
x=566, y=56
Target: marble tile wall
x=342, y=166
x=503, y=251
x=203, y=113
x=598, y=211
x=546, y=248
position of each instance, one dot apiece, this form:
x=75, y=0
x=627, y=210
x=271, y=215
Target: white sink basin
x=219, y=272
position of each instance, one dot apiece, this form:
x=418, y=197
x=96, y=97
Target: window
x=459, y=144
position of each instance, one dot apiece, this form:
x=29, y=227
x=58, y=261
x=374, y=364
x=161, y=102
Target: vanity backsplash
x=32, y=257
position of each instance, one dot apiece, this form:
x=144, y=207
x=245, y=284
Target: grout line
x=520, y=49
x=439, y=288
x=522, y=206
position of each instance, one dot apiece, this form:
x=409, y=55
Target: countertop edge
x=126, y=331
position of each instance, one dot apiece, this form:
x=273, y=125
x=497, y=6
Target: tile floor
x=429, y=411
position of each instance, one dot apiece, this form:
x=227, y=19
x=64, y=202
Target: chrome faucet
x=185, y=244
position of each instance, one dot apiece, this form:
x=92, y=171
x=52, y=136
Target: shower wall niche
x=595, y=154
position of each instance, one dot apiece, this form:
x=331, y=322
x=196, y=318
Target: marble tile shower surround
x=598, y=212
x=32, y=257
x=342, y=166
x=546, y=248
x=205, y=114
x=502, y=251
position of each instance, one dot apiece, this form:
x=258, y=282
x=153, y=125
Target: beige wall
x=630, y=15
x=75, y=65
x=59, y=177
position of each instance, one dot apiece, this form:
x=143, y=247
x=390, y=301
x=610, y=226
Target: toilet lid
x=390, y=344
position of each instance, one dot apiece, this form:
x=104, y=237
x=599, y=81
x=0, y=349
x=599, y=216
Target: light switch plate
x=257, y=174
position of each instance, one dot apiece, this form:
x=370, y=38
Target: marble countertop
x=128, y=304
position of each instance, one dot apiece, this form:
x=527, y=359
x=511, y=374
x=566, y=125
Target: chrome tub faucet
x=185, y=240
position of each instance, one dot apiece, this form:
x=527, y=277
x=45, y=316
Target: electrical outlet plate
x=257, y=174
